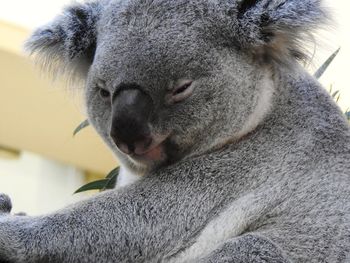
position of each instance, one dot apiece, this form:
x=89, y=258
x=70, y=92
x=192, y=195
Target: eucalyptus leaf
x=347, y=114
x=113, y=173
x=104, y=184
x=337, y=100
x=326, y=64
x=335, y=94
x=112, y=177
x=96, y=185
x=81, y=126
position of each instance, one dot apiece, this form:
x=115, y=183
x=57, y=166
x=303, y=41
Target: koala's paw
x=5, y=204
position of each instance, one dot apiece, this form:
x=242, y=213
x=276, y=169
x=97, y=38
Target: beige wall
x=38, y=117
x=38, y=185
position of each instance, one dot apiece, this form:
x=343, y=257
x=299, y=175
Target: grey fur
x=259, y=146
x=67, y=45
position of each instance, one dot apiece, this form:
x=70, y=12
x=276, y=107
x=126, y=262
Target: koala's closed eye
x=180, y=92
x=102, y=90
x=105, y=94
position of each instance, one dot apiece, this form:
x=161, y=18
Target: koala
x=125, y=177
x=241, y=155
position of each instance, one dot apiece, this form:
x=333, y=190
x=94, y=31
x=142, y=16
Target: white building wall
x=38, y=185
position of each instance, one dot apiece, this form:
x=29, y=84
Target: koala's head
x=169, y=79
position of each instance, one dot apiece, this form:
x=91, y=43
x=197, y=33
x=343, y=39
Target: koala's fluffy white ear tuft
x=67, y=45
x=277, y=29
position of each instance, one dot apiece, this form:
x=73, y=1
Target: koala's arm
x=248, y=248
x=73, y=234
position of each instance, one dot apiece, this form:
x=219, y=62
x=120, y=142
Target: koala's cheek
x=99, y=114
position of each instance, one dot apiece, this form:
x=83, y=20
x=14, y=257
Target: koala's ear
x=277, y=29
x=67, y=45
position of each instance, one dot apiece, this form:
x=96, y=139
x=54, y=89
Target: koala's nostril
x=138, y=147
x=124, y=148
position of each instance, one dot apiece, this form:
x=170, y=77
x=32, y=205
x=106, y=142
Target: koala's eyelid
x=182, y=92
x=101, y=84
x=182, y=86
x=181, y=83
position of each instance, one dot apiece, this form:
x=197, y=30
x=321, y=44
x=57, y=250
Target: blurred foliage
x=108, y=182
x=104, y=184
x=335, y=94
x=326, y=64
x=81, y=126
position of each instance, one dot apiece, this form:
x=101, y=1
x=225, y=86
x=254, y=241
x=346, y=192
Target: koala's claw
x=5, y=204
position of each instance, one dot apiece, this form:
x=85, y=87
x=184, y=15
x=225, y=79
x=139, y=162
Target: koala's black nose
x=131, y=111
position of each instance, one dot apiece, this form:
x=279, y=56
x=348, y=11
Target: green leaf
x=112, y=177
x=81, y=126
x=96, y=185
x=347, y=114
x=330, y=88
x=335, y=94
x=326, y=64
x=104, y=184
x=114, y=172
x=337, y=100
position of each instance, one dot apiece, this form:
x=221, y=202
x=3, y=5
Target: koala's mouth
x=155, y=152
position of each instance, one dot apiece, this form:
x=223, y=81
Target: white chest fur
x=230, y=223
x=126, y=177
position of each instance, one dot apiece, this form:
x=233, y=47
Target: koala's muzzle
x=131, y=111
